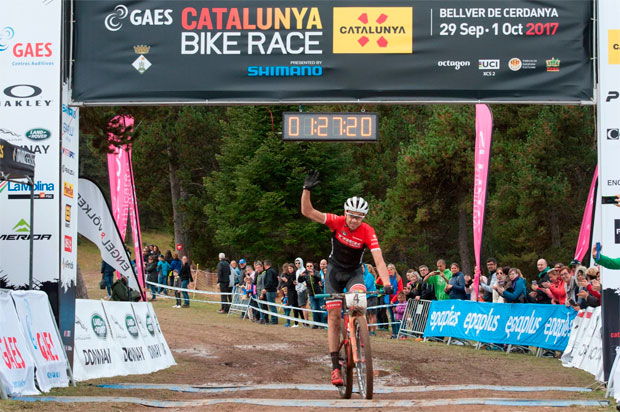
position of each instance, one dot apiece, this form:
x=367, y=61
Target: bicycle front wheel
x=363, y=366
x=346, y=364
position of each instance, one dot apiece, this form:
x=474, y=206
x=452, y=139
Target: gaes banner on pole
x=484, y=136
x=17, y=365
x=39, y=327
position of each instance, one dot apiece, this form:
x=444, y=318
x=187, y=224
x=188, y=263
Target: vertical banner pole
x=196, y=281
x=482, y=156
x=31, y=241
x=608, y=105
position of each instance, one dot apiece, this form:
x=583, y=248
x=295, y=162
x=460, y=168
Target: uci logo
x=155, y=17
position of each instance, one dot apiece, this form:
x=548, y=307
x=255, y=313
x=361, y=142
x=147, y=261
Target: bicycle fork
x=353, y=338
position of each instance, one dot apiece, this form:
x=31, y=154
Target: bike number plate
x=356, y=300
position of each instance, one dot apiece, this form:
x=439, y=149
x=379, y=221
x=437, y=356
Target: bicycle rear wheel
x=346, y=365
x=363, y=366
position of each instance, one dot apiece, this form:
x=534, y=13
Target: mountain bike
x=354, y=349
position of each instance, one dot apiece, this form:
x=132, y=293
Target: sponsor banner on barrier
x=543, y=326
x=154, y=341
x=95, y=351
x=127, y=338
x=347, y=50
x=40, y=330
x=17, y=365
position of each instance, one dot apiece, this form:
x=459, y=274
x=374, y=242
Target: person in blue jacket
x=456, y=285
x=372, y=300
x=516, y=291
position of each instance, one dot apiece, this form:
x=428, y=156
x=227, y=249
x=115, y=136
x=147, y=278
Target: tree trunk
x=178, y=193
x=80, y=289
x=555, y=229
x=464, y=225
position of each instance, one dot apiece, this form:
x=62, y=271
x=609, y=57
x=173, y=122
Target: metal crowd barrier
x=238, y=305
x=414, y=318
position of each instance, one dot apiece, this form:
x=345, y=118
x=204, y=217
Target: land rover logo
x=130, y=324
x=99, y=326
x=149, y=325
x=38, y=134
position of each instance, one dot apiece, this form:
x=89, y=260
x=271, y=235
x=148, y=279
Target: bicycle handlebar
x=342, y=295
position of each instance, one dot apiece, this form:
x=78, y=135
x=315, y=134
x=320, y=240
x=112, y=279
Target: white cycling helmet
x=356, y=204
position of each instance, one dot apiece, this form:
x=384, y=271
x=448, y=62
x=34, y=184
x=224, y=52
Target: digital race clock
x=343, y=127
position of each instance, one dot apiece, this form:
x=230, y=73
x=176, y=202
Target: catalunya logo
x=373, y=30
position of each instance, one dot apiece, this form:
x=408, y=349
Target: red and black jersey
x=348, y=246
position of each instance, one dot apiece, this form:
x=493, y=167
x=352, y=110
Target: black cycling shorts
x=336, y=279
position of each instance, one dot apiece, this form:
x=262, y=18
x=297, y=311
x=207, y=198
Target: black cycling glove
x=388, y=290
x=311, y=180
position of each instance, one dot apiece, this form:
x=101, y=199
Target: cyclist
x=344, y=270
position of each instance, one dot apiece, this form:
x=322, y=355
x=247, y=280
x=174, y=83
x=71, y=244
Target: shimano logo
x=156, y=17
x=456, y=64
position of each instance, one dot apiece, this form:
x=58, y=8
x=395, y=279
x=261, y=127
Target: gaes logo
x=132, y=327
x=6, y=34
x=147, y=17
x=99, y=326
x=373, y=30
x=613, y=46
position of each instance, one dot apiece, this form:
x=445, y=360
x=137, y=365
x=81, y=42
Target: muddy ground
x=214, y=349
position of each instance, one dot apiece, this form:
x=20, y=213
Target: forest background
x=220, y=179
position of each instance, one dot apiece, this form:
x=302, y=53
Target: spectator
x=556, y=290
x=168, y=256
x=397, y=286
x=289, y=281
x=271, y=289
x=151, y=275
x=428, y=290
x=487, y=286
x=223, y=281
x=312, y=279
x=186, y=277
x=399, y=311
x=515, y=290
x=570, y=287
x=372, y=300
x=543, y=269
x=500, y=281
x=301, y=288
x=439, y=279
x=236, y=271
x=414, y=286
x=456, y=284
x=284, y=300
x=469, y=283
x=146, y=252
x=573, y=265
x=261, y=293
x=177, y=284
x=107, y=274
x=156, y=252
x=242, y=265
x=163, y=269
x=122, y=292
x=323, y=266
x=175, y=264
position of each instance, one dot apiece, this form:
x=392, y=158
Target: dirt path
x=214, y=349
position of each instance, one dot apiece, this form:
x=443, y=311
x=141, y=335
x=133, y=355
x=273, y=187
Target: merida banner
x=253, y=51
x=543, y=326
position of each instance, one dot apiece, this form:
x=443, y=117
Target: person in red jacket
x=556, y=290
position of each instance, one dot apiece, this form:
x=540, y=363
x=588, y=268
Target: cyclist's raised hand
x=312, y=180
x=388, y=290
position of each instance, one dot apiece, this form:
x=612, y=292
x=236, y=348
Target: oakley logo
x=22, y=91
x=113, y=20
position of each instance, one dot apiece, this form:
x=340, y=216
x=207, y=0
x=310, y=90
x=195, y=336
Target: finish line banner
x=543, y=326
x=140, y=52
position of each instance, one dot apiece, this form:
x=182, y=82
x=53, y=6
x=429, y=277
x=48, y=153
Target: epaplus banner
x=543, y=326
